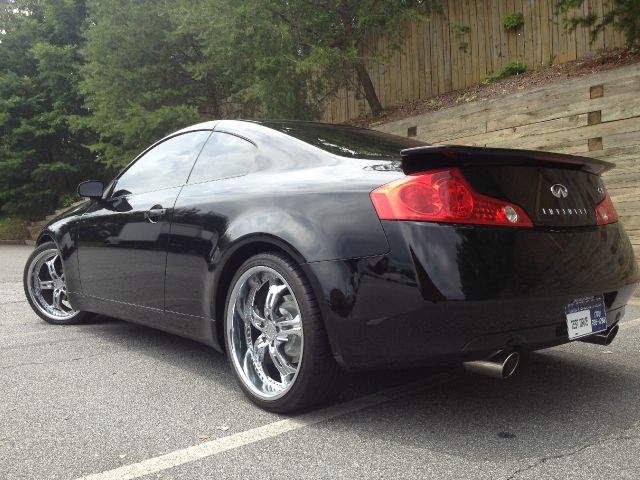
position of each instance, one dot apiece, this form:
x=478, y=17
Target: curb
x=14, y=242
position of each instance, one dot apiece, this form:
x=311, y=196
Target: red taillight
x=443, y=196
x=605, y=211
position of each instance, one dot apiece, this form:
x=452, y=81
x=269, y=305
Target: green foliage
x=513, y=21
x=329, y=36
x=69, y=199
x=460, y=29
x=13, y=229
x=512, y=68
x=138, y=78
x=624, y=15
x=42, y=153
x=257, y=57
x=86, y=84
x=152, y=67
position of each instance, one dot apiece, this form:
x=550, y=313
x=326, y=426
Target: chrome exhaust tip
x=501, y=365
x=605, y=338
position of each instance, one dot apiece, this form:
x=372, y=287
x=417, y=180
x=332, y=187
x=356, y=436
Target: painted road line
x=224, y=444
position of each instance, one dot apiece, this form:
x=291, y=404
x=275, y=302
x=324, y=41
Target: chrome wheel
x=47, y=287
x=265, y=336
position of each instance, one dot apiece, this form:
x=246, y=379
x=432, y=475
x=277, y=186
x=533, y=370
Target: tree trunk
x=370, y=94
x=369, y=90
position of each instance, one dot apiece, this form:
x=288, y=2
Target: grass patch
x=513, y=68
x=13, y=229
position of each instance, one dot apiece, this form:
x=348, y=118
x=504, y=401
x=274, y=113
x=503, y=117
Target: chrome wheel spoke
x=292, y=326
x=280, y=362
x=273, y=296
x=256, y=320
x=45, y=284
x=49, y=295
x=57, y=299
x=259, y=347
x=51, y=268
x=250, y=310
x=265, y=332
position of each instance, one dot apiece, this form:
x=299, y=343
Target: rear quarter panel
x=314, y=204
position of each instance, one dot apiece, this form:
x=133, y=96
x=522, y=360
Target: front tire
x=46, y=288
x=275, y=337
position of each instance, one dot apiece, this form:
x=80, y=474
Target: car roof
x=210, y=125
x=341, y=140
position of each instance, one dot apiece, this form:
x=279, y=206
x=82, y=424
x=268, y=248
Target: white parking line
x=214, y=447
x=231, y=442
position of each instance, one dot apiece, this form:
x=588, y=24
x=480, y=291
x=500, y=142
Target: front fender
x=63, y=231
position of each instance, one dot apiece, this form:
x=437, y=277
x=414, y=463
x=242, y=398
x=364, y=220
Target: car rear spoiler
x=419, y=159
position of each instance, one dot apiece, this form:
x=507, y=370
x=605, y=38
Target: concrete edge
x=15, y=242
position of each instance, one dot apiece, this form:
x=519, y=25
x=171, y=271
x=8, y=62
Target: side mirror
x=91, y=189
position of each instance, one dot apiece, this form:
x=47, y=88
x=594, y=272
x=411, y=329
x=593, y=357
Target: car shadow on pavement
x=162, y=347
x=558, y=399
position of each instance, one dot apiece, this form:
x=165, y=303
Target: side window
x=165, y=165
x=224, y=156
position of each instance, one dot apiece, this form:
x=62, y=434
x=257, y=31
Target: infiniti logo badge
x=559, y=190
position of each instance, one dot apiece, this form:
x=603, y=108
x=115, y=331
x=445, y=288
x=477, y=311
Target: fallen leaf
x=203, y=437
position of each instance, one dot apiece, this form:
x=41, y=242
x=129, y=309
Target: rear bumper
x=446, y=293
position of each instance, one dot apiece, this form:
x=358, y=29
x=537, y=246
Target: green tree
x=330, y=35
x=42, y=153
x=137, y=77
x=254, y=57
x=624, y=15
x=154, y=66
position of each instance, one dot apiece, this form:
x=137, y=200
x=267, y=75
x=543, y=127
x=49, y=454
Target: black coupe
x=306, y=249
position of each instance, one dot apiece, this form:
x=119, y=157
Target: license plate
x=586, y=316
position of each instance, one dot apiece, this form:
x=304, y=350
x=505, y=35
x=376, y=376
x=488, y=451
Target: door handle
x=154, y=214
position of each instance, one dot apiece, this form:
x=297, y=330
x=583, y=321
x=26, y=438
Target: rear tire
x=275, y=337
x=45, y=286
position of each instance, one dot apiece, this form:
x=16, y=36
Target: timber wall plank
x=430, y=60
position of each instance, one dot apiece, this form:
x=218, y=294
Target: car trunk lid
x=555, y=190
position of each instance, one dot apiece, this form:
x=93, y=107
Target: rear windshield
x=346, y=141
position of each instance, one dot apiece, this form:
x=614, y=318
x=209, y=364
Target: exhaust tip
x=502, y=365
x=510, y=364
x=605, y=338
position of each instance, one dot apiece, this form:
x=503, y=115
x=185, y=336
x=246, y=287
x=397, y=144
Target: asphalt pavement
x=112, y=400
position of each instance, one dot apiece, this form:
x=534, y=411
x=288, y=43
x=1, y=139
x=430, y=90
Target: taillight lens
x=443, y=196
x=605, y=211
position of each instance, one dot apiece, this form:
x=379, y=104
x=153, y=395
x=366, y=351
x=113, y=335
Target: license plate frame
x=586, y=316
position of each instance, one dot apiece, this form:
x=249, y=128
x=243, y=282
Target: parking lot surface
x=112, y=400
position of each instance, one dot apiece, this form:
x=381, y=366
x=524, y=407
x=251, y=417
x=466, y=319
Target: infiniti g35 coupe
x=304, y=250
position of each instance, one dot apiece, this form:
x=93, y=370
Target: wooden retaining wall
x=596, y=116
x=430, y=60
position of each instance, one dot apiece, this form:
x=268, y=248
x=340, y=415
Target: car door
x=122, y=242
x=199, y=223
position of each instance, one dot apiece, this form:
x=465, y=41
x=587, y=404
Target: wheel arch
x=239, y=252
x=45, y=237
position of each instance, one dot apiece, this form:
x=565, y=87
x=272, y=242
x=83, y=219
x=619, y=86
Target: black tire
x=319, y=378
x=73, y=317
